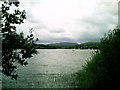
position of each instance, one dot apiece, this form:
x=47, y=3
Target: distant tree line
x=42, y=46
x=87, y=45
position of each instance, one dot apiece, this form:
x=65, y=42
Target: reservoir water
x=51, y=68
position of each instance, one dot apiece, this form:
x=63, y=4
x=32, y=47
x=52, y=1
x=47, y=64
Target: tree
x=16, y=47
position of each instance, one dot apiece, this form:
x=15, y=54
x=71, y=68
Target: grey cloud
x=40, y=26
x=30, y=17
x=56, y=30
x=98, y=20
x=95, y=25
x=106, y=14
x=51, y=39
x=109, y=7
x=31, y=2
x=28, y=5
x=88, y=37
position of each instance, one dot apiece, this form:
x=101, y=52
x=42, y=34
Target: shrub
x=103, y=70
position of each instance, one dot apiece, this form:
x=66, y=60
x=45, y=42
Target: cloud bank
x=69, y=20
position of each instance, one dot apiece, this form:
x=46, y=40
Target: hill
x=63, y=44
x=69, y=45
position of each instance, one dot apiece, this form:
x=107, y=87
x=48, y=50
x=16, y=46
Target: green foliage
x=42, y=46
x=16, y=48
x=103, y=70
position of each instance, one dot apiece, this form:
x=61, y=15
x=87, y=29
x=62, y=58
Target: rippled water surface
x=53, y=68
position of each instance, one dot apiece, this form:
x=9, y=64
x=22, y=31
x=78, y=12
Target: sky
x=69, y=20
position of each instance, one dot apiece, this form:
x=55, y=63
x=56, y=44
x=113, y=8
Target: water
x=53, y=68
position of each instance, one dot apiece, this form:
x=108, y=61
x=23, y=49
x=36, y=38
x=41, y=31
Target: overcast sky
x=69, y=20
